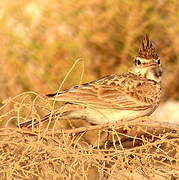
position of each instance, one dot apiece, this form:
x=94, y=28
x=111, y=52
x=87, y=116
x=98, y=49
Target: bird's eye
x=158, y=61
x=137, y=62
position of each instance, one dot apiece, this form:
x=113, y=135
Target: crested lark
x=115, y=97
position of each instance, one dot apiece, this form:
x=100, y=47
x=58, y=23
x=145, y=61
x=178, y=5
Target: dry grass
x=142, y=149
x=27, y=154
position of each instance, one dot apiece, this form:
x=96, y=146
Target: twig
x=152, y=124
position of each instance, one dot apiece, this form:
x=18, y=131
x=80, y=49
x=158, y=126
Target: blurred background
x=40, y=40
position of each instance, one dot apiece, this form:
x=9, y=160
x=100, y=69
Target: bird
x=116, y=97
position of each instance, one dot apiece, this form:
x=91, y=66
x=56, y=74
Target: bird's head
x=147, y=64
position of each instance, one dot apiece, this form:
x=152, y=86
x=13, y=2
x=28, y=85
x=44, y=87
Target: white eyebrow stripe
x=146, y=61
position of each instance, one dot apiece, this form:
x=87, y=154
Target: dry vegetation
x=33, y=155
x=40, y=41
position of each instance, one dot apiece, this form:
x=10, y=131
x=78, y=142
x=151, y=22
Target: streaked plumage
x=117, y=97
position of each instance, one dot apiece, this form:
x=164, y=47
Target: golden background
x=40, y=40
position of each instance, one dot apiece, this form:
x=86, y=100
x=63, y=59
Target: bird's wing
x=119, y=93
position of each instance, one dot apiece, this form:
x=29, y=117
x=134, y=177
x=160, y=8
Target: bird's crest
x=147, y=50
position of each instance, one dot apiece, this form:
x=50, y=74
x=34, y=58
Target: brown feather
x=110, y=96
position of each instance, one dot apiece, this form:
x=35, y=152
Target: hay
x=137, y=151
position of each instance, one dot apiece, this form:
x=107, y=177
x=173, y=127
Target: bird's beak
x=158, y=71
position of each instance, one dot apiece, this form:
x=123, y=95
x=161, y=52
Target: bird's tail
x=35, y=122
x=60, y=113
